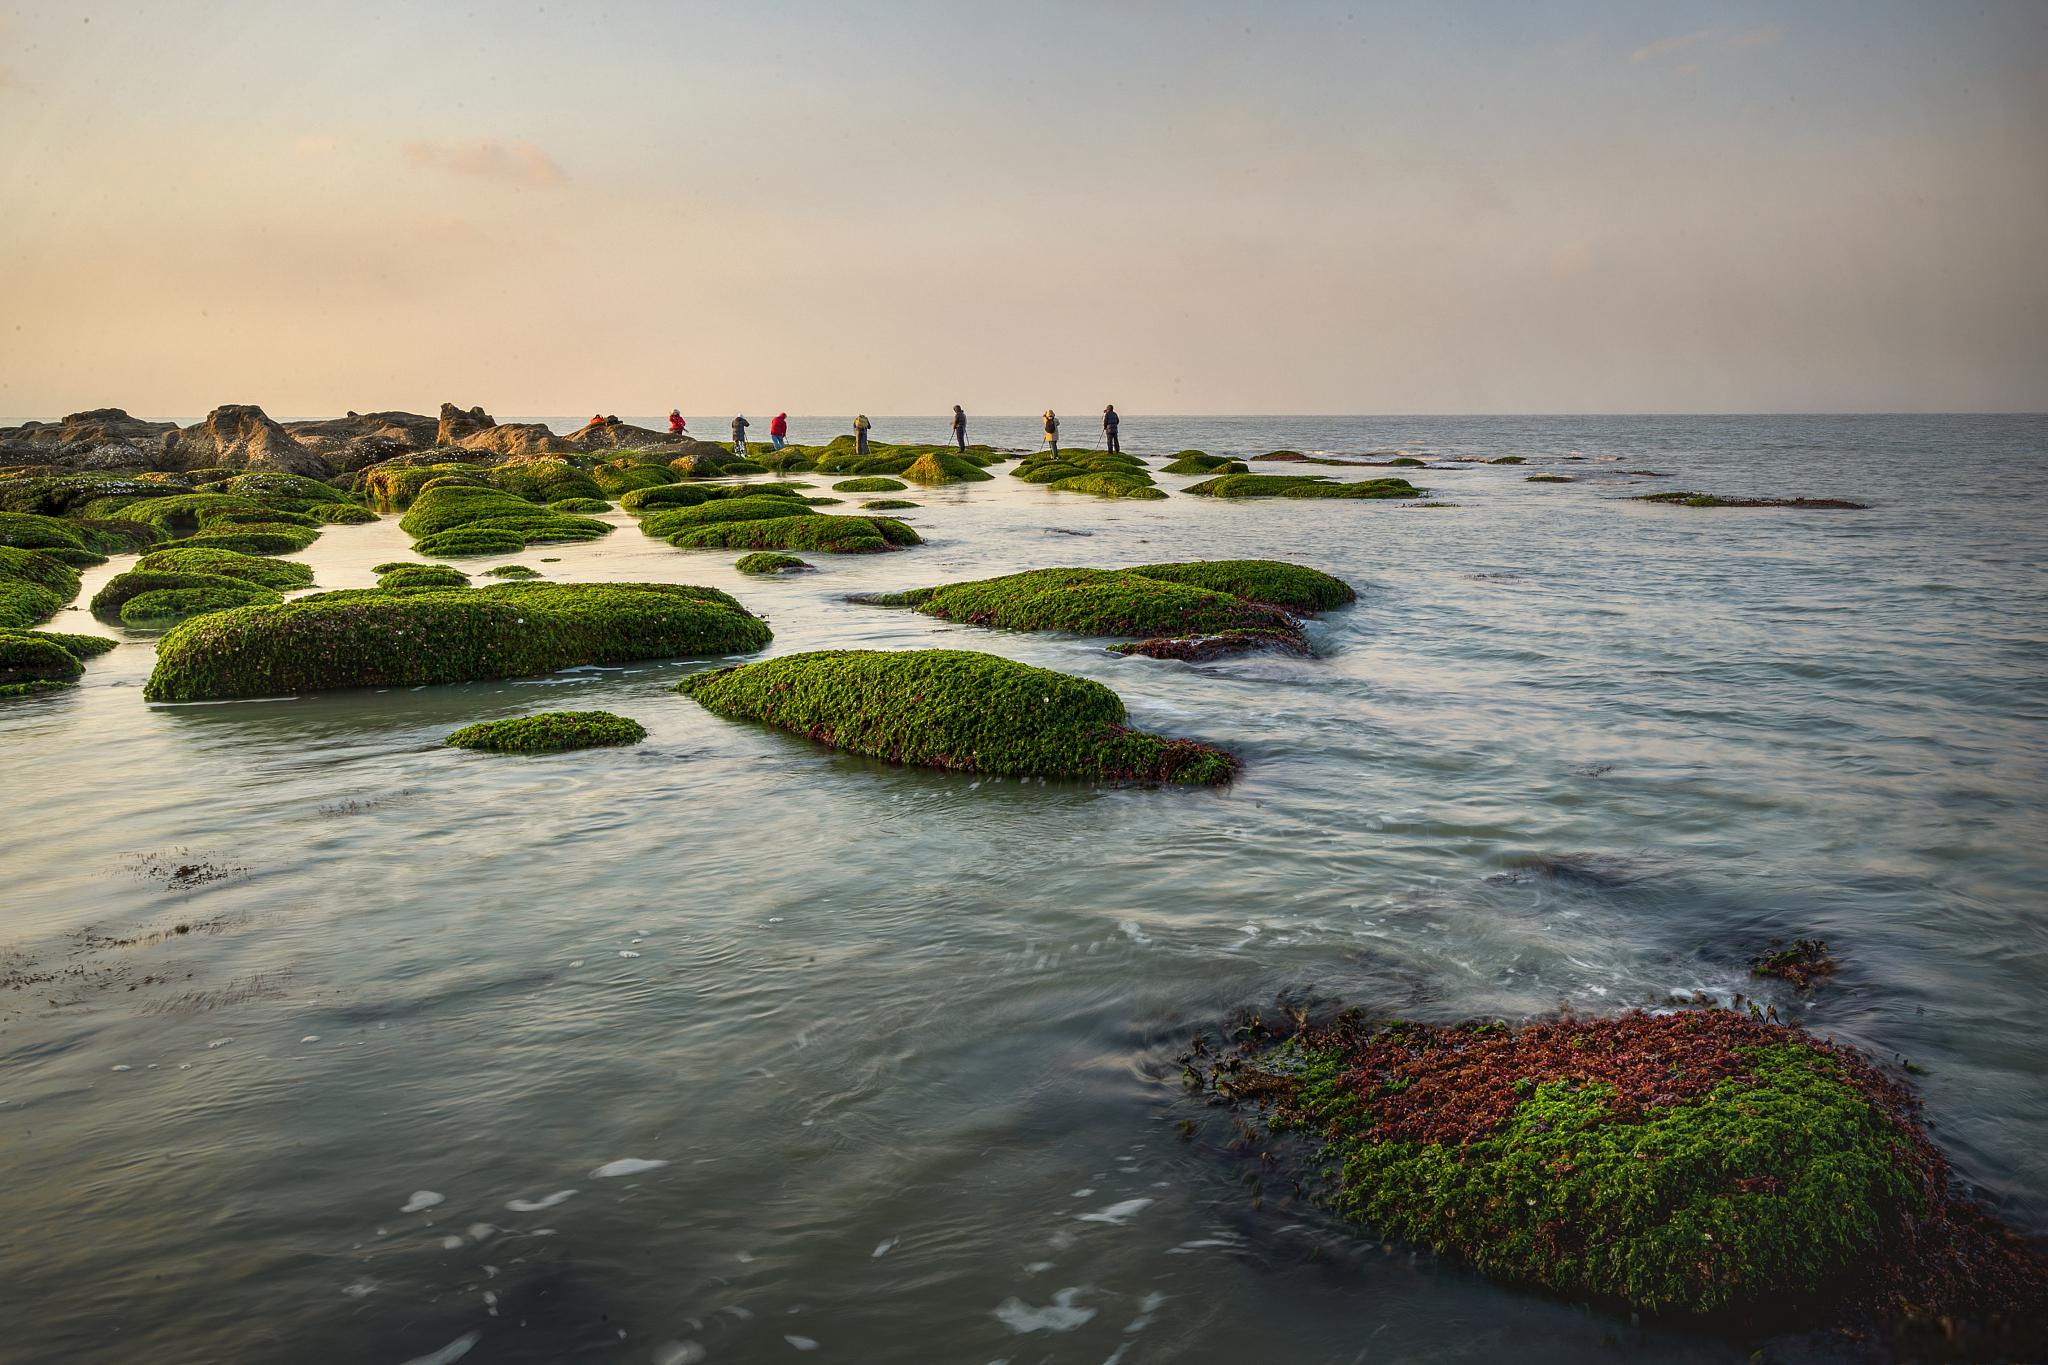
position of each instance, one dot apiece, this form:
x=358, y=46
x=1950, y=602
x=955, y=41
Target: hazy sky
x=561, y=206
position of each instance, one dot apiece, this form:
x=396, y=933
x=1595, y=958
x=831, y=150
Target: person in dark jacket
x=959, y=428
x=778, y=430
x=1052, y=431
x=1110, y=422
x=739, y=436
x=860, y=434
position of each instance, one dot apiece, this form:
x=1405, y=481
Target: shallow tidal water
x=331, y=1044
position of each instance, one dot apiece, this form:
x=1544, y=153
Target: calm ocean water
x=731, y=1048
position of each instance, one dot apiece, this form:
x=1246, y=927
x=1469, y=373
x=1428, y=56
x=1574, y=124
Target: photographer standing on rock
x=739, y=436
x=1110, y=422
x=960, y=428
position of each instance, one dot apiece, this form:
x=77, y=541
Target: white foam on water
x=882, y=1248
x=1199, y=1244
x=631, y=1165
x=452, y=1352
x=491, y=1301
x=744, y=1257
x=450, y=1243
x=627, y=952
x=1063, y=1314
x=310, y=1038
x=577, y=963
x=1147, y=1306
x=678, y=1353
x=536, y=1205
x=422, y=1199
x=1060, y=1241
x=1083, y=1192
x=218, y=1042
x=123, y=1067
x=361, y=1289
x=801, y=1343
x=1133, y=932
x=1116, y=1214
x=1038, y=1267
x=480, y=1232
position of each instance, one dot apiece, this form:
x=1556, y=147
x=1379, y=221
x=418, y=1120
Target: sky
x=892, y=206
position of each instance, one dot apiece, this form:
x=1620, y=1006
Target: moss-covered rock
x=770, y=563
x=1406, y=462
x=663, y=495
x=110, y=603
x=672, y=521
x=511, y=571
x=1195, y=462
x=53, y=536
x=550, y=732
x=1713, y=500
x=1109, y=485
x=953, y=709
x=80, y=646
x=289, y=492
x=1300, y=486
x=32, y=587
x=257, y=539
x=888, y=505
x=392, y=488
x=1550, y=478
x=343, y=513
x=1272, y=582
x=31, y=663
x=421, y=578
x=1701, y=1162
x=619, y=477
x=110, y=537
x=1507, y=459
x=873, y=485
x=468, y=541
x=490, y=520
x=580, y=505
x=159, y=607
x=379, y=639
x=545, y=481
x=935, y=467
x=815, y=532
x=279, y=575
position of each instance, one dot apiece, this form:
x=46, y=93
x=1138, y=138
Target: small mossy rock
x=279, y=575
x=936, y=468
x=580, y=505
x=470, y=541
x=1300, y=486
x=165, y=606
x=507, y=630
x=1507, y=459
x=663, y=495
x=768, y=562
x=392, y=488
x=1108, y=486
x=1047, y=471
x=80, y=646
x=343, y=514
x=670, y=521
x=1550, y=478
x=545, y=481
x=53, y=536
x=32, y=587
x=1714, y=500
x=874, y=485
x=1272, y=582
x=956, y=710
x=111, y=601
x=1700, y=1162
x=888, y=505
x=1101, y=602
x=247, y=540
x=511, y=571
x=619, y=477
x=816, y=533
x=421, y=578
x=491, y=516
x=1195, y=462
x=550, y=732
x=1406, y=462
x=32, y=663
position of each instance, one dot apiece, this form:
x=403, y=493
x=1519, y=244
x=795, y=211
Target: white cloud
x=517, y=162
x=1664, y=47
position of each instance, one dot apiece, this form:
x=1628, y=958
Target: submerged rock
x=376, y=639
x=1713, y=500
x=1800, y=962
x=1694, y=1163
x=1300, y=486
x=770, y=563
x=957, y=710
x=550, y=732
x=871, y=485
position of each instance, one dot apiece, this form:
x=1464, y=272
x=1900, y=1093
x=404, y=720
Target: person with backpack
x=960, y=428
x=1110, y=422
x=778, y=430
x=739, y=436
x=1052, y=431
x=860, y=434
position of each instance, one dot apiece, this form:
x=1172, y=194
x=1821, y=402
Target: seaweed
x=550, y=732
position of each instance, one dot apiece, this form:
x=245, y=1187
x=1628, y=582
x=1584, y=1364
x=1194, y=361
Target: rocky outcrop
x=365, y=438
x=243, y=436
x=475, y=429
x=104, y=438
x=626, y=436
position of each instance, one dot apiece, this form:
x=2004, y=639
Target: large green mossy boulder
x=1112, y=485
x=53, y=536
x=953, y=709
x=870, y=485
x=545, y=481
x=550, y=732
x=32, y=587
x=40, y=661
x=376, y=639
x=459, y=519
x=392, y=488
x=1696, y=1163
x=1186, y=611
x=420, y=577
x=936, y=467
x=816, y=532
x=1196, y=462
x=619, y=477
x=279, y=575
x=290, y=492
x=175, y=593
x=1300, y=486
x=671, y=521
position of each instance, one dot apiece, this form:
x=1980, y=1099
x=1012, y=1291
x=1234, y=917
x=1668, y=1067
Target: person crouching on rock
x=739, y=436
x=778, y=430
x=960, y=428
x=596, y=421
x=1052, y=432
x=860, y=434
x=676, y=425
x=1110, y=422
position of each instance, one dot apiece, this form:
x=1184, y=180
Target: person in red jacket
x=778, y=430
x=676, y=425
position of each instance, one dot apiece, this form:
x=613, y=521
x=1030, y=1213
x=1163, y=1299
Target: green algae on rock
x=1550, y=478
x=489, y=520
x=159, y=607
x=671, y=521
x=420, y=577
x=956, y=710
x=937, y=467
x=1695, y=1163
x=33, y=586
x=1275, y=583
x=52, y=536
x=1799, y=962
x=550, y=732
x=579, y=505
x=511, y=571
x=814, y=532
x=31, y=662
x=1300, y=486
x=174, y=591
x=279, y=575
x=888, y=505
x=1682, y=499
x=877, y=484
x=768, y=562
x=1196, y=462
x=371, y=638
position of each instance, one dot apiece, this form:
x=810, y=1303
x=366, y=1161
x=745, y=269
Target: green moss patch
x=279, y=575
x=159, y=607
x=421, y=577
x=1550, y=478
x=172, y=591
x=580, y=505
x=545, y=481
x=31, y=663
x=490, y=521
x=1300, y=486
x=888, y=505
x=392, y=488
x=53, y=536
x=873, y=485
x=509, y=630
x=550, y=732
x=32, y=587
x=670, y=521
x=259, y=539
x=470, y=541
x=618, y=477
x=936, y=467
x=1507, y=459
x=952, y=709
x=1109, y=485
x=1714, y=500
x=1272, y=582
x=511, y=571
x=769, y=562
x=814, y=532
x=1195, y=462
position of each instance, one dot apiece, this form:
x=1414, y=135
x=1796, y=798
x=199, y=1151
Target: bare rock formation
x=243, y=436
x=104, y=438
x=475, y=429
